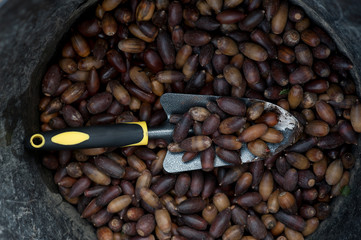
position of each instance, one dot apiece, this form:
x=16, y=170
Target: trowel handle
x=117, y=135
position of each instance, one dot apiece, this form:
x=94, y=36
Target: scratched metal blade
x=174, y=103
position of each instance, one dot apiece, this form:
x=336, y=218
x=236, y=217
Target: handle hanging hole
x=37, y=140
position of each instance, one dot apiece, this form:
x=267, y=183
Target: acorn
x=256, y=227
x=145, y=10
x=319, y=168
x=119, y=203
x=326, y=112
x=266, y=185
x=286, y=54
x=258, y=148
x=253, y=132
x=220, y=223
x=310, y=38
x=304, y=55
x=314, y=154
x=269, y=221
x=287, y=202
x=253, y=51
x=131, y=45
x=301, y=75
x=306, y=179
x=243, y=183
x=278, y=229
x=346, y=131
x=261, y=208
x=291, y=179
x=323, y=210
x=239, y=216
x=249, y=199
x=229, y=156
x=307, y=211
x=295, y=96
x=196, y=143
x=291, y=38
x=348, y=160
x=297, y=160
x=334, y=172
x=292, y=221
x=355, y=115
x=221, y=201
x=311, y=226
x=268, y=118
x=233, y=232
x=232, y=75
x=317, y=128
x=227, y=46
x=209, y=213
x=229, y=142
x=279, y=20
x=272, y=136
x=292, y=234
x=255, y=111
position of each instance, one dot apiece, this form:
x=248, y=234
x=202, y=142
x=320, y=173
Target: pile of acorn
x=123, y=55
x=228, y=132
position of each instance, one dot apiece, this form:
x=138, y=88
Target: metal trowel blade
x=175, y=103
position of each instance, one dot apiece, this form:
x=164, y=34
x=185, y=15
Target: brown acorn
x=253, y=132
x=253, y=51
x=326, y=112
x=334, y=172
x=131, y=45
x=232, y=75
x=272, y=136
x=287, y=202
x=355, y=115
x=310, y=38
x=256, y=227
x=196, y=143
x=311, y=226
x=266, y=185
x=209, y=213
x=227, y=46
x=295, y=96
x=269, y=221
x=228, y=142
x=317, y=128
x=314, y=155
x=297, y=160
x=243, y=183
x=119, y=203
x=279, y=20
x=145, y=10
x=258, y=148
x=268, y=118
